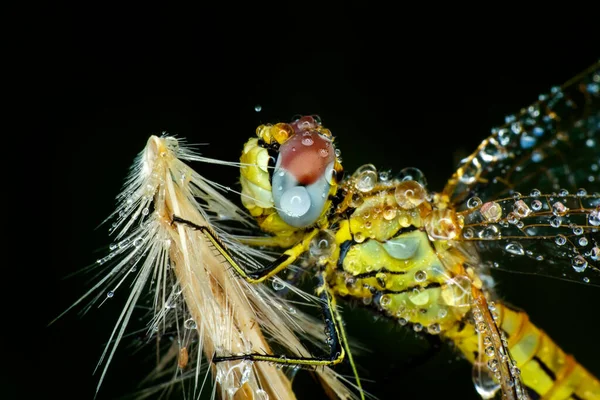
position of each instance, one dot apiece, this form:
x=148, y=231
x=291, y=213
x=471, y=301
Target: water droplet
x=443, y=224
x=527, y=141
x=512, y=218
x=537, y=156
x=493, y=365
x=277, y=284
x=401, y=248
x=434, y=329
x=538, y=131
x=409, y=194
x=535, y=193
x=357, y=200
x=110, y=294
x=474, y=202
x=258, y=108
x=595, y=253
x=389, y=213
x=490, y=351
x=468, y=233
x=138, y=242
x=489, y=232
x=385, y=301
x=417, y=327
x=442, y=313
x=581, y=192
x=384, y=176
x=594, y=218
x=555, y=222
x=521, y=209
x=323, y=244
x=412, y=174
x=145, y=212
x=190, y=324
x=359, y=237
x=485, y=384
x=458, y=292
x=559, y=208
x=481, y=327
x=583, y=241
x=366, y=181
x=402, y=321
x=579, y=264
x=307, y=141
x=520, y=224
x=536, y=205
x=491, y=211
x=515, y=248
x=560, y=240
x=420, y=276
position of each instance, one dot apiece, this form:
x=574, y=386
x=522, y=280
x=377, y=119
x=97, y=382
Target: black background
x=397, y=88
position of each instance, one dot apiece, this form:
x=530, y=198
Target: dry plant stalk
x=195, y=292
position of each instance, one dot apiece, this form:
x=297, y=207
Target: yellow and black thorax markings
x=385, y=260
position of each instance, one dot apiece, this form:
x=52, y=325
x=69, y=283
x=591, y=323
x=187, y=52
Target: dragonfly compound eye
x=303, y=176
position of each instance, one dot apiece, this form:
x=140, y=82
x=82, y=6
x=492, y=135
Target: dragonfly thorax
x=392, y=239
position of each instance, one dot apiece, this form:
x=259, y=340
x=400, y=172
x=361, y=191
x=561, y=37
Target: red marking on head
x=306, y=155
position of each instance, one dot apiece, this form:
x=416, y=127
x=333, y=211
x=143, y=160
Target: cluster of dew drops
x=495, y=356
x=492, y=212
x=410, y=192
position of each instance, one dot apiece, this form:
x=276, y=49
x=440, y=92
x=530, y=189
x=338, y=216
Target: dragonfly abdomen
x=544, y=367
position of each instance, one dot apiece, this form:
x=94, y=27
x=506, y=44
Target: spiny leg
x=338, y=343
x=260, y=275
x=339, y=325
x=337, y=351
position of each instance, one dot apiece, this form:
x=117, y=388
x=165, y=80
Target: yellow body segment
x=545, y=367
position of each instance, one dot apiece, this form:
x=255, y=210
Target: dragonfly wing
x=546, y=234
x=531, y=189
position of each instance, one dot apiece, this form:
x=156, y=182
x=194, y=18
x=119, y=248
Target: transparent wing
x=543, y=234
x=529, y=194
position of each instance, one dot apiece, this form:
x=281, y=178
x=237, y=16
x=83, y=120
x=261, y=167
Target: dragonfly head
x=288, y=173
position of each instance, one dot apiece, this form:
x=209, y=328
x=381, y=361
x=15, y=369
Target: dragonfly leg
x=256, y=276
x=338, y=344
x=337, y=351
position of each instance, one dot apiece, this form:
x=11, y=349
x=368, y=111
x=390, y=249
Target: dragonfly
x=526, y=201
